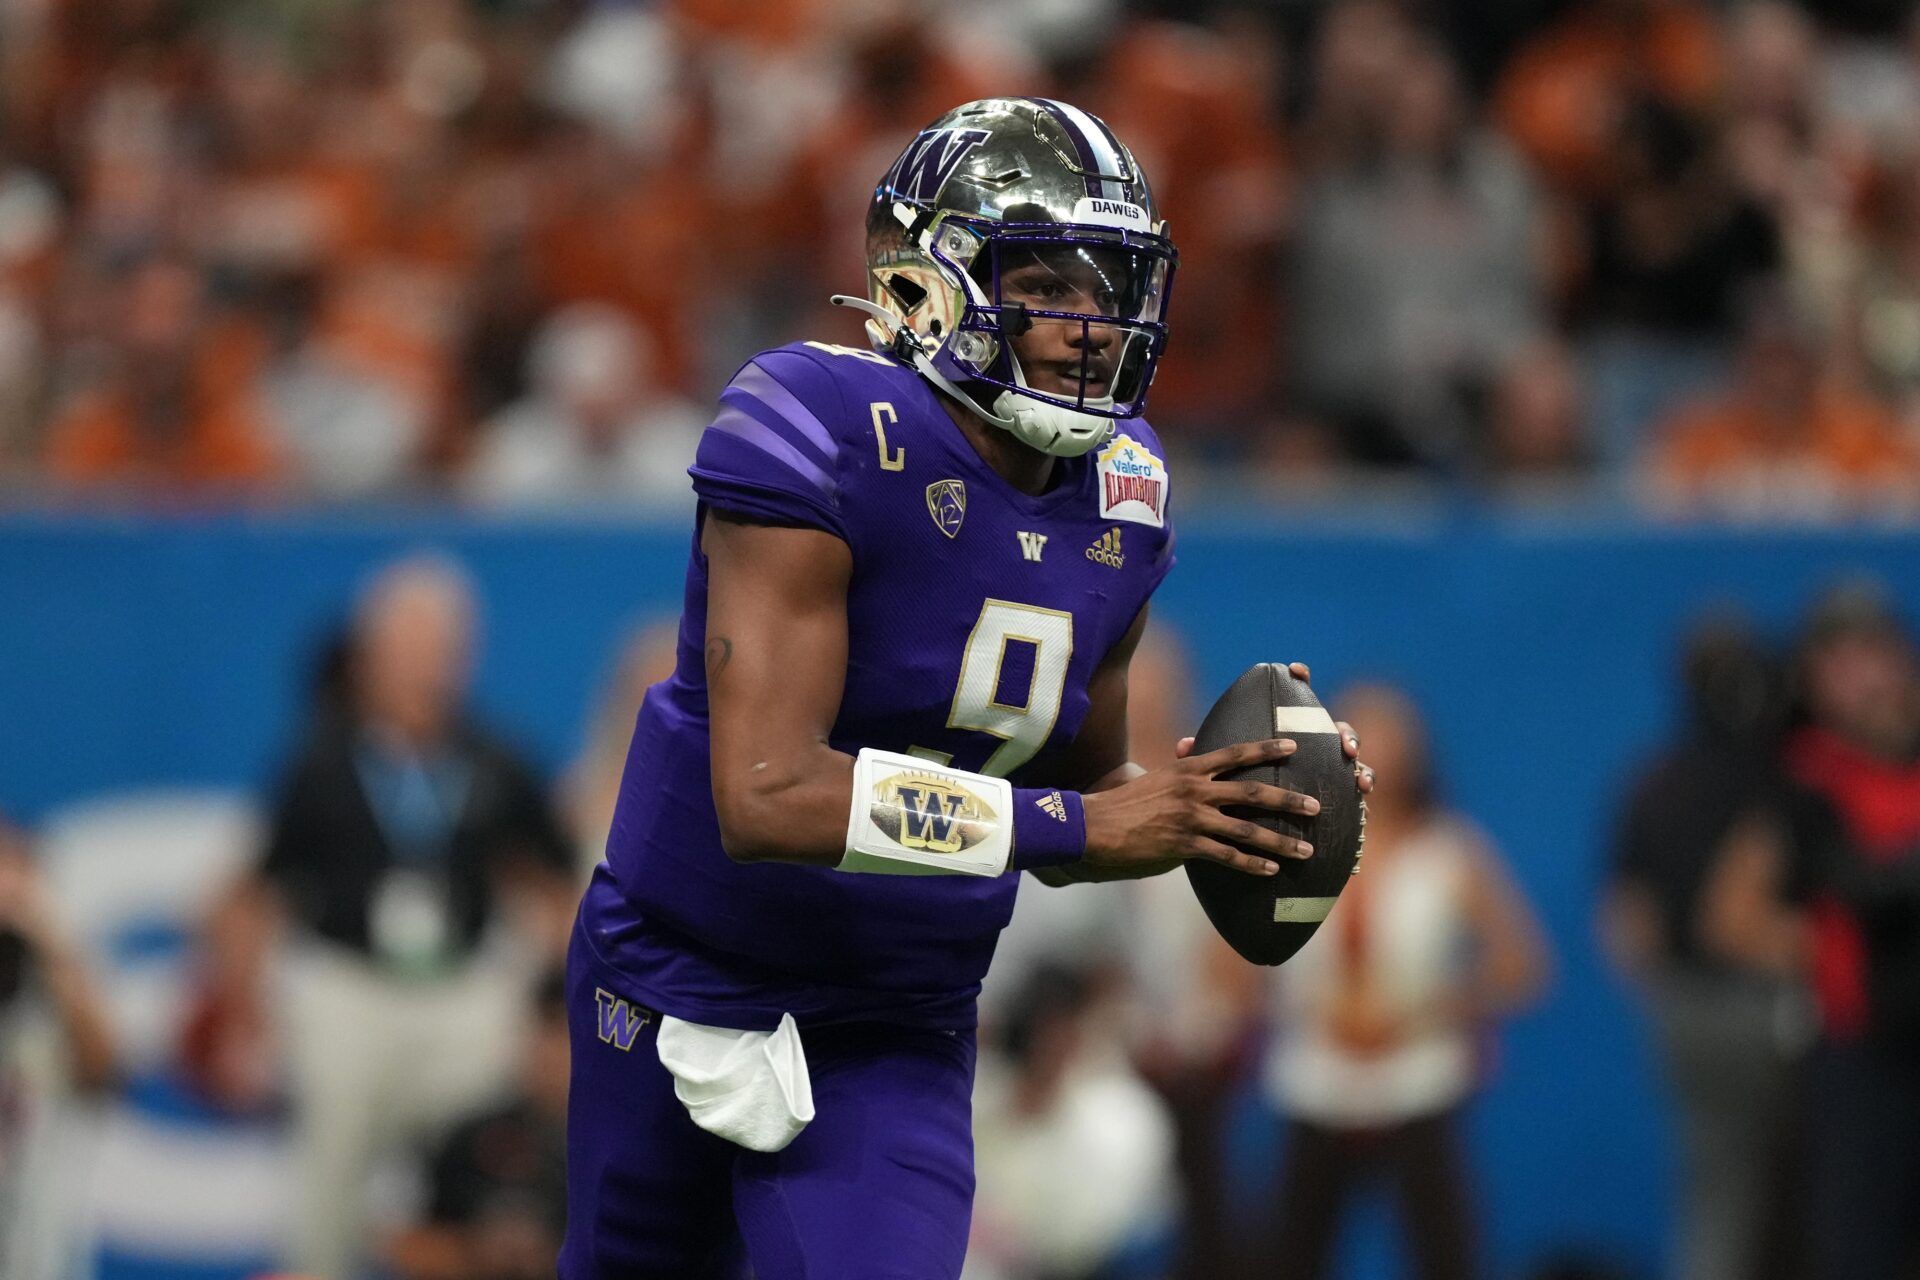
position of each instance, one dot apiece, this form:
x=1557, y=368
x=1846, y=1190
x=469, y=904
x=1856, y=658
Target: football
x=1268, y=918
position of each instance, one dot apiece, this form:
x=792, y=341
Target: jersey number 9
x=1011, y=641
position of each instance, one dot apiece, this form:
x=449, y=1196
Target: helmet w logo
x=924, y=167
x=620, y=1022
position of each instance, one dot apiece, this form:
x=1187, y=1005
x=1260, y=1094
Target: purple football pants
x=879, y=1186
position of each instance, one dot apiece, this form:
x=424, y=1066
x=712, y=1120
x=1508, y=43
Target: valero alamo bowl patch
x=1133, y=483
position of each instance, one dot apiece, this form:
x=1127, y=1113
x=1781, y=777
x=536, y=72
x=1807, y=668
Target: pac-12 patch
x=947, y=504
x=1133, y=483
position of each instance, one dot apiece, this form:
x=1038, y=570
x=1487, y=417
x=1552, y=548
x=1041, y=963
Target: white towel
x=749, y=1087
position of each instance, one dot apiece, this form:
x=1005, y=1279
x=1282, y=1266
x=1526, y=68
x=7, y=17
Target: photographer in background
x=1730, y=1025
x=403, y=838
x=1846, y=911
x=55, y=1046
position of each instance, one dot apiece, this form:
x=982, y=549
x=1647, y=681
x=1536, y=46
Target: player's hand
x=1349, y=740
x=1176, y=813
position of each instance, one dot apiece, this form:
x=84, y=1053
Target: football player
x=918, y=572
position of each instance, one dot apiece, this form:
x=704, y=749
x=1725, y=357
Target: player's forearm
x=886, y=813
x=792, y=810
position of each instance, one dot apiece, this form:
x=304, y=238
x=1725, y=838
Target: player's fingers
x=1349, y=740
x=1244, y=755
x=1183, y=748
x=1363, y=778
x=1252, y=836
x=1226, y=856
x=1260, y=796
x=1300, y=672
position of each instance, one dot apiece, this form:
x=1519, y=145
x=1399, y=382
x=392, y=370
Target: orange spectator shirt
x=97, y=442
x=1562, y=95
x=1849, y=441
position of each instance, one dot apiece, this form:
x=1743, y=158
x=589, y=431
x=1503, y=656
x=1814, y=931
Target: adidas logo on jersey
x=1053, y=806
x=1106, y=550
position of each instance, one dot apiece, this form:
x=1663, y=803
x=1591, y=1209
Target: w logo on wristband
x=930, y=813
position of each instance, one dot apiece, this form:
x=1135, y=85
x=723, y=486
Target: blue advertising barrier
x=138, y=651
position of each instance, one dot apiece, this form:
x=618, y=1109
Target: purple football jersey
x=975, y=616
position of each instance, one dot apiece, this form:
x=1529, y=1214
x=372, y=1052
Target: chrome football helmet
x=1042, y=192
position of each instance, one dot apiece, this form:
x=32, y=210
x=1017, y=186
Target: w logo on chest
x=620, y=1022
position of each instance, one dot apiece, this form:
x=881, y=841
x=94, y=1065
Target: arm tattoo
x=719, y=654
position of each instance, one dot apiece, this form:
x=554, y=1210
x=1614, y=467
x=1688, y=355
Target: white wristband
x=913, y=817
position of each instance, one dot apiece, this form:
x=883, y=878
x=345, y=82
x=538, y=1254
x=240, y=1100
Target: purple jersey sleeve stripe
x=760, y=383
x=750, y=430
x=773, y=420
x=762, y=505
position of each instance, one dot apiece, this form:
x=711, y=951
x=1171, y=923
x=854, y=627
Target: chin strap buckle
x=906, y=344
x=902, y=342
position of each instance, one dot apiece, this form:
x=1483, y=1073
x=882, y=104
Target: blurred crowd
x=508, y=249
